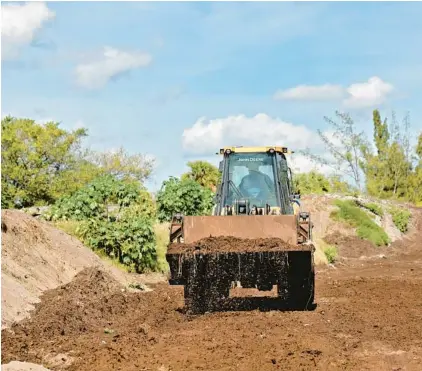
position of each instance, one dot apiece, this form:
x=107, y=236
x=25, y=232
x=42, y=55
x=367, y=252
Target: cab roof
x=241, y=149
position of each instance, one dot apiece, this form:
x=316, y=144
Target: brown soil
x=233, y=244
x=369, y=317
x=38, y=257
x=353, y=246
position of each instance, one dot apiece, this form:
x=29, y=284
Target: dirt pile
x=37, y=257
x=92, y=310
x=234, y=244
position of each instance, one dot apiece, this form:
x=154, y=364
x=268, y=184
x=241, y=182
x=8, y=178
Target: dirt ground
x=368, y=317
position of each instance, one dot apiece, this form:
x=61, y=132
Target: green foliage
x=401, y=218
x=374, y=208
x=381, y=134
x=312, y=182
x=122, y=165
x=43, y=162
x=93, y=200
x=131, y=240
x=204, y=173
x=183, y=196
x=331, y=253
x=317, y=183
x=389, y=170
x=162, y=231
x=126, y=234
x=35, y=158
x=366, y=228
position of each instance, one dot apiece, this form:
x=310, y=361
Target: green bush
x=366, y=228
x=401, y=218
x=92, y=201
x=331, y=253
x=126, y=234
x=183, y=196
x=130, y=240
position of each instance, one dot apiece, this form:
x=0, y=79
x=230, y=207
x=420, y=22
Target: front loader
x=256, y=237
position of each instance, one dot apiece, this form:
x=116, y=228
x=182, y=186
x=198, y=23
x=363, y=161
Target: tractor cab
x=255, y=180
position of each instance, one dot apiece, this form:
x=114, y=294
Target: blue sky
x=178, y=80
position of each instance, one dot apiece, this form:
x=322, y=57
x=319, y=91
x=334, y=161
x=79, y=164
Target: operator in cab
x=256, y=184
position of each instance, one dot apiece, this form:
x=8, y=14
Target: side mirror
x=220, y=167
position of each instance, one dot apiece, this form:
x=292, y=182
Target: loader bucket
x=256, y=251
x=284, y=227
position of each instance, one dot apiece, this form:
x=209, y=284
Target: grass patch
x=162, y=240
x=366, y=228
x=330, y=251
x=401, y=218
x=68, y=226
x=114, y=262
x=374, y=208
x=331, y=254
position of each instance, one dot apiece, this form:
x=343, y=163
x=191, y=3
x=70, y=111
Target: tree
x=399, y=161
x=204, y=173
x=376, y=164
x=388, y=170
x=34, y=157
x=346, y=147
x=415, y=183
x=182, y=196
x=381, y=134
x=122, y=165
x=312, y=182
x=317, y=183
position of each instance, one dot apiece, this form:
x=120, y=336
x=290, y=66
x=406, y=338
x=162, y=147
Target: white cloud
x=369, y=93
x=309, y=92
x=112, y=62
x=208, y=136
x=20, y=24
x=357, y=95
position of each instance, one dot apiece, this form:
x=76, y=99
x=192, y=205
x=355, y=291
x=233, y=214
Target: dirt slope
x=38, y=257
x=369, y=317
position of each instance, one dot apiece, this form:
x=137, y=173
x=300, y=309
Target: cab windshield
x=251, y=177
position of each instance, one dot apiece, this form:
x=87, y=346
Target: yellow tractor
x=257, y=209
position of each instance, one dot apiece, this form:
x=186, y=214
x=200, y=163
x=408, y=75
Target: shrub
x=131, y=240
x=401, y=218
x=126, y=234
x=93, y=200
x=162, y=231
x=183, y=196
x=366, y=228
x=331, y=253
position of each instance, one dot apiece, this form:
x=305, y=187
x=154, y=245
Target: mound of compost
x=227, y=244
